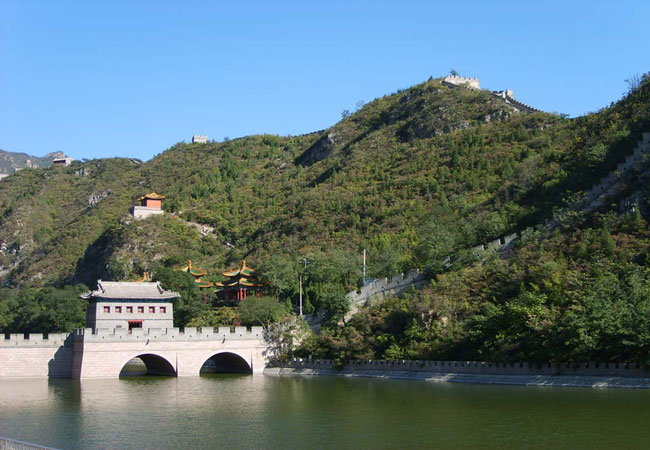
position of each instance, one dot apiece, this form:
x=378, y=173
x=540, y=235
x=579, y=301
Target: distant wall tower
x=469, y=82
x=199, y=139
x=66, y=161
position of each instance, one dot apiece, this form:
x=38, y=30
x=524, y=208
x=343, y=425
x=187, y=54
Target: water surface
x=257, y=411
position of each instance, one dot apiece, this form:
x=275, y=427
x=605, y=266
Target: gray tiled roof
x=134, y=290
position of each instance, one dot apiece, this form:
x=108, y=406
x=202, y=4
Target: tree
x=327, y=279
x=437, y=238
x=261, y=311
x=223, y=316
x=280, y=272
x=281, y=337
x=191, y=303
x=46, y=310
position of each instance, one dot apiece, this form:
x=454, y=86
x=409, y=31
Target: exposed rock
x=319, y=151
x=95, y=198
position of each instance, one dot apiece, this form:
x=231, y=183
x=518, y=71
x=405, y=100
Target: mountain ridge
x=10, y=161
x=411, y=178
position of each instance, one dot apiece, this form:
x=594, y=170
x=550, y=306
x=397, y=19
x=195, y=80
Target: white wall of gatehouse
x=103, y=353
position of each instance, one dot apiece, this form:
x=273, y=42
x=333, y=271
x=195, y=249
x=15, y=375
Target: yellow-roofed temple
x=197, y=274
x=152, y=200
x=241, y=283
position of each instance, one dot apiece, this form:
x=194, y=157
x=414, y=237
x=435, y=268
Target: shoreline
x=467, y=378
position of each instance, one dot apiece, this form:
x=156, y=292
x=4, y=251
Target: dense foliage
x=412, y=177
x=579, y=295
x=42, y=309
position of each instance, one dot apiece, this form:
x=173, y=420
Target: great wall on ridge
x=592, y=199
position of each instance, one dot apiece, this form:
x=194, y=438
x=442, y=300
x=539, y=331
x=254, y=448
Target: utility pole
x=364, y=266
x=305, y=262
x=300, y=307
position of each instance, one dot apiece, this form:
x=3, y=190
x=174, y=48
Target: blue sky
x=131, y=78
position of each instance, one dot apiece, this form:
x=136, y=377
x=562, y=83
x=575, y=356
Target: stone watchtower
x=129, y=305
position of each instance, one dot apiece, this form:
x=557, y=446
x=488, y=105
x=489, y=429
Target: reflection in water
x=257, y=411
x=226, y=362
x=147, y=364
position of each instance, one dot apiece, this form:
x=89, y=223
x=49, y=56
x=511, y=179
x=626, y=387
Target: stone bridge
x=103, y=353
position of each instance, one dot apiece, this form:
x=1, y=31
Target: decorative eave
x=152, y=196
x=130, y=290
x=243, y=270
x=192, y=271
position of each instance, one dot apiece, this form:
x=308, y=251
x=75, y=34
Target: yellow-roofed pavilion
x=242, y=282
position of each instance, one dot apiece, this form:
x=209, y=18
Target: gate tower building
x=129, y=305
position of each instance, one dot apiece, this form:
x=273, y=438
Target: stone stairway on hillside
x=509, y=99
x=609, y=184
x=594, y=198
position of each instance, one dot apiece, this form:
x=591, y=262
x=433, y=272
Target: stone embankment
x=613, y=375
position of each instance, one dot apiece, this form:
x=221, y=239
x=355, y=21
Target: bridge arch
x=226, y=361
x=154, y=364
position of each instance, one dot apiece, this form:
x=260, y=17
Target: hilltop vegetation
x=412, y=177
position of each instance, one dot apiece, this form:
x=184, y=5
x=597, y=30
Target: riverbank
x=515, y=380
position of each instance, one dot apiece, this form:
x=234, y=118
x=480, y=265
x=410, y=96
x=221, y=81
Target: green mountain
x=11, y=161
x=412, y=177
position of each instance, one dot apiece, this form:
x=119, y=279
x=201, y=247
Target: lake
x=258, y=411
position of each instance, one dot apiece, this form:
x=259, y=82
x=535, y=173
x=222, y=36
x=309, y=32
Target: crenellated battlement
x=187, y=334
x=385, y=286
x=102, y=353
x=455, y=80
x=617, y=369
x=36, y=340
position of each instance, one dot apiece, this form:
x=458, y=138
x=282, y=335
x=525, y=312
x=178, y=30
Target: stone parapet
x=188, y=334
x=142, y=212
x=455, y=80
x=36, y=356
x=479, y=367
x=36, y=340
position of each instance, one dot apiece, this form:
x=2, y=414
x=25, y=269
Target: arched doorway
x=148, y=364
x=226, y=362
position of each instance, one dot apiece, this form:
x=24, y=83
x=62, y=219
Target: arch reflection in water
x=148, y=364
x=225, y=362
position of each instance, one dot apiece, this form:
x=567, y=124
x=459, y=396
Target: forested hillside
x=412, y=177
